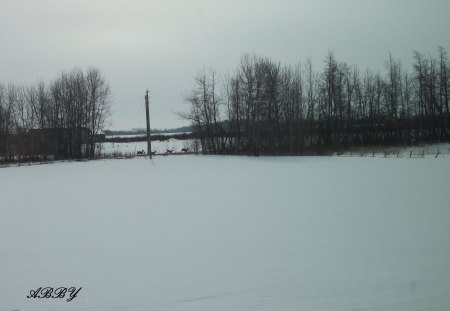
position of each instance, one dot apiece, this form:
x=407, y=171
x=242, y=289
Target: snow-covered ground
x=160, y=147
x=228, y=233
x=418, y=151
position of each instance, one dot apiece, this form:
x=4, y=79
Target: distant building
x=63, y=142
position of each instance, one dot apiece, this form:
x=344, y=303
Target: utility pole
x=149, y=140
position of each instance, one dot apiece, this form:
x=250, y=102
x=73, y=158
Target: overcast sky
x=160, y=45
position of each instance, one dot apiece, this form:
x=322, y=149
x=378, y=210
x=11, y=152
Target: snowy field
x=430, y=150
x=228, y=233
x=418, y=151
x=159, y=147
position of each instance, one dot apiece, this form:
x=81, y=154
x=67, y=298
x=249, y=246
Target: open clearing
x=228, y=233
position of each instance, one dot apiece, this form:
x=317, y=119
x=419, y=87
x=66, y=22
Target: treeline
x=58, y=120
x=183, y=129
x=265, y=107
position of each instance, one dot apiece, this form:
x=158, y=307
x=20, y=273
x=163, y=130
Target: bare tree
x=205, y=110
